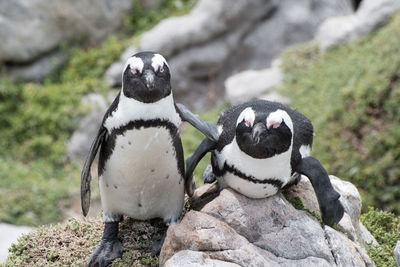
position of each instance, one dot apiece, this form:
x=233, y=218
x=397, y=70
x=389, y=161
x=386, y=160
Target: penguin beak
x=149, y=79
x=258, y=129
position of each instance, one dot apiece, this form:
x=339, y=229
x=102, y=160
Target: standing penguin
x=262, y=147
x=141, y=163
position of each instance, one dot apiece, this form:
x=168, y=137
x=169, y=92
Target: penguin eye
x=248, y=123
x=160, y=68
x=135, y=70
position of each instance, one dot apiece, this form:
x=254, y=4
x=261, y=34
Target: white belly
x=141, y=177
x=247, y=188
x=277, y=167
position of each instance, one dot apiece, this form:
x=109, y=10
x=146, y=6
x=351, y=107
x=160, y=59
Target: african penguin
x=141, y=163
x=264, y=146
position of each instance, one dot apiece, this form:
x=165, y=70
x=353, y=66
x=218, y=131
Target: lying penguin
x=141, y=163
x=264, y=146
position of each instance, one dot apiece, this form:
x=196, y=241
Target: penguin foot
x=331, y=211
x=106, y=252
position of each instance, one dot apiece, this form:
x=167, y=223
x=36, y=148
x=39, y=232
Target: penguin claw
x=105, y=253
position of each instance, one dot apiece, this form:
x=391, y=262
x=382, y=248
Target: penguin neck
x=273, y=167
x=130, y=109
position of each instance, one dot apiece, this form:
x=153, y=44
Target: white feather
x=134, y=63
x=305, y=151
x=276, y=167
x=248, y=115
x=280, y=115
x=130, y=109
x=158, y=61
x=141, y=177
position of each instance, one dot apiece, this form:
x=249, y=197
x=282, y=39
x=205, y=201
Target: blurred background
x=336, y=61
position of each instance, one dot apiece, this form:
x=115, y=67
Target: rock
x=151, y=4
x=346, y=252
x=397, y=252
x=9, y=234
x=221, y=38
x=350, y=199
x=250, y=84
x=276, y=97
x=38, y=70
x=196, y=259
x=369, y=16
x=233, y=229
x=113, y=74
x=29, y=29
x=79, y=144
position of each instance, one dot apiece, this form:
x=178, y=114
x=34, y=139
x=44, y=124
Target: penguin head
x=263, y=135
x=146, y=77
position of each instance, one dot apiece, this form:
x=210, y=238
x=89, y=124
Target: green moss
x=385, y=227
x=351, y=93
x=72, y=243
x=141, y=20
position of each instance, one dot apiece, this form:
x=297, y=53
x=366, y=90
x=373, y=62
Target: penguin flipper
x=207, y=128
x=85, y=175
x=328, y=198
x=206, y=146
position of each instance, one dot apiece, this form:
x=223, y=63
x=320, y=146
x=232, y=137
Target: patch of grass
x=385, y=227
x=34, y=193
x=71, y=244
x=352, y=94
x=298, y=205
x=141, y=20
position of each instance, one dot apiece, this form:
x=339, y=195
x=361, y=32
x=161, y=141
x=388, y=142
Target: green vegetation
x=76, y=240
x=385, y=227
x=352, y=95
x=36, y=180
x=35, y=175
x=141, y=20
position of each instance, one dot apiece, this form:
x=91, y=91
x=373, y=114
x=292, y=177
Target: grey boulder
x=250, y=84
x=240, y=231
x=370, y=15
x=397, y=252
x=218, y=39
x=38, y=70
x=29, y=29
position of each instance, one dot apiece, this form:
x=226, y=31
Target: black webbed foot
x=109, y=249
x=328, y=198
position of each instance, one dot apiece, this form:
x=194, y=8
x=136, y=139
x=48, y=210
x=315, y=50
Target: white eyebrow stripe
x=247, y=114
x=134, y=62
x=158, y=61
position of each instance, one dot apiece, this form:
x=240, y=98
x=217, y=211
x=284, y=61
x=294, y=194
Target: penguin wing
x=85, y=175
x=207, y=128
x=191, y=163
